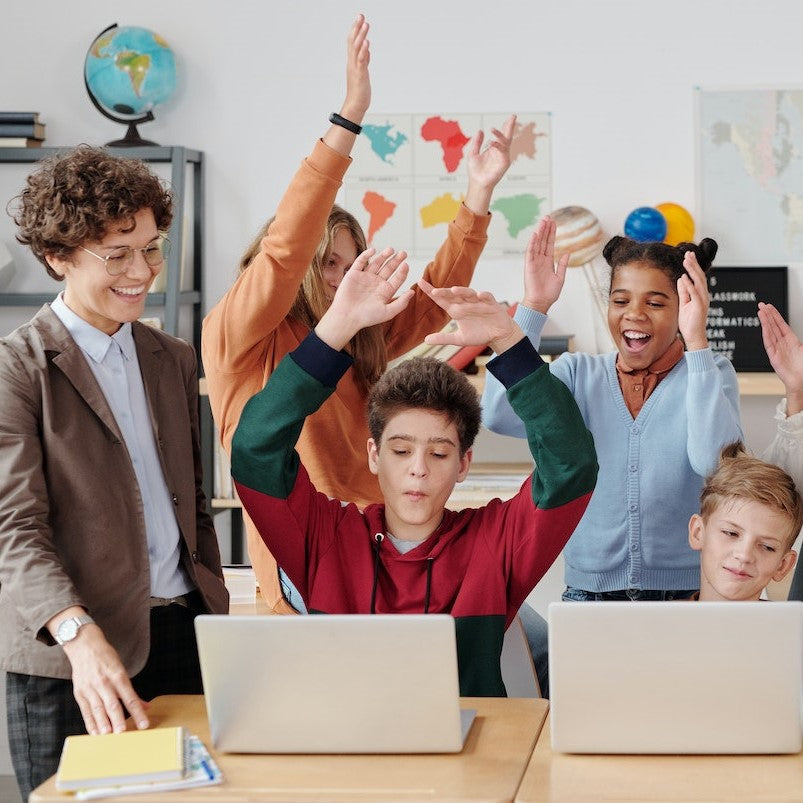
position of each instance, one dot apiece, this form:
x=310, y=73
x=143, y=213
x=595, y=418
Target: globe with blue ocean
x=128, y=71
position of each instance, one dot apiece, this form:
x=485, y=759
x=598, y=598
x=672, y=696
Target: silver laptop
x=332, y=684
x=676, y=677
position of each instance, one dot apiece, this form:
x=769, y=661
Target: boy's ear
x=787, y=564
x=465, y=464
x=373, y=456
x=696, y=532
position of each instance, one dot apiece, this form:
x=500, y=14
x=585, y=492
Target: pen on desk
x=207, y=770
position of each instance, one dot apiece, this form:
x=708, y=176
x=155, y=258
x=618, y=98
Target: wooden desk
x=583, y=779
x=490, y=767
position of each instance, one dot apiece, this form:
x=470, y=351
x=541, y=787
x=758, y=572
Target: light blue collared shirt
x=113, y=360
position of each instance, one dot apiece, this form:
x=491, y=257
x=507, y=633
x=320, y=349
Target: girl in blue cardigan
x=660, y=408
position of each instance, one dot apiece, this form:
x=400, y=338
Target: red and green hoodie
x=479, y=565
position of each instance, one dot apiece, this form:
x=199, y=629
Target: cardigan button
x=195, y=557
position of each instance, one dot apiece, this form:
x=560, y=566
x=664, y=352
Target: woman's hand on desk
x=101, y=685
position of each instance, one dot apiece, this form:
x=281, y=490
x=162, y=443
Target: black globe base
x=132, y=139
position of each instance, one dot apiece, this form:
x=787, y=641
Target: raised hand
x=480, y=318
x=543, y=279
x=487, y=165
x=358, y=88
x=785, y=352
x=693, y=300
x=366, y=296
x=358, y=81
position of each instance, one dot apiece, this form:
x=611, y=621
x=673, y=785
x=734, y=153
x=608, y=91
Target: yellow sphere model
x=679, y=223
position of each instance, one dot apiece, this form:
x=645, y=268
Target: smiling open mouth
x=636, y=340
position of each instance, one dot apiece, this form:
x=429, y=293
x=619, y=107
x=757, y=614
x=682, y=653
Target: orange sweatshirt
x=248, y=332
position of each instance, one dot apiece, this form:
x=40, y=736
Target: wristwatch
x=69, y=628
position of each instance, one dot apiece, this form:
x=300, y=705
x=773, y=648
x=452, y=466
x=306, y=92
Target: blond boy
x=750, y=515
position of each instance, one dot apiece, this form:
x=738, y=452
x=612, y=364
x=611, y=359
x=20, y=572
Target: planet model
x=645, y=224
x=679, y=223
x=578, y=233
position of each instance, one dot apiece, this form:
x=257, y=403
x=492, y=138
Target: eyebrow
x=649, y=292
x=126, y=245
x=732, y=525
x=413, y=439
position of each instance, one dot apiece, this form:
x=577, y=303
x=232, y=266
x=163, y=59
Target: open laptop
x=676, y=677
x=332, y=684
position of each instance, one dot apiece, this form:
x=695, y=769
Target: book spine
x=33, y=130
x=19, y=117
x=20, y=142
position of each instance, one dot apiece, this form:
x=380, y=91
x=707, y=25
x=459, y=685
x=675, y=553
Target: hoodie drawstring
x=378, y=538
x=429, y=584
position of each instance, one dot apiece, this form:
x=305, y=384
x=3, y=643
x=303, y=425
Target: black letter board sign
x=733, y=328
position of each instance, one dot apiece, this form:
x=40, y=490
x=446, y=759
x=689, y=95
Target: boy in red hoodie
x=410, y=554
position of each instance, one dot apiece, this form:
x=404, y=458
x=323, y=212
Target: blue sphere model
x=645, y=224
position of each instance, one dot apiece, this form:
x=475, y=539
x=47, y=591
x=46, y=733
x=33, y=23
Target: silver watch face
x=68, y=630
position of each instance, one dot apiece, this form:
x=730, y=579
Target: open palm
x=480, y=318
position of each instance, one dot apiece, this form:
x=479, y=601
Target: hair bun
x=612, y=246
x=709, y=248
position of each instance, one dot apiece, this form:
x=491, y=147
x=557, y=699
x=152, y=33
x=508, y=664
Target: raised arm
x=237, y=332
x=543, y=282
x=785, y=351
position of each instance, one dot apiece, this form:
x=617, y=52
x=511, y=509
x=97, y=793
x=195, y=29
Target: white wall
x=260, y=78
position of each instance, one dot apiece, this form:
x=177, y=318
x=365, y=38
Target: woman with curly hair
x=107, y=552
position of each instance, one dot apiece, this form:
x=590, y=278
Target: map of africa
x=751, y=174
x=409, y=179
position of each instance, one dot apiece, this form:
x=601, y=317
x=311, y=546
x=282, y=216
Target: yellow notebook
x=110, y=759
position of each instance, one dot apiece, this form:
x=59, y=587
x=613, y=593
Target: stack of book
x=133, y=762
x=21, y=130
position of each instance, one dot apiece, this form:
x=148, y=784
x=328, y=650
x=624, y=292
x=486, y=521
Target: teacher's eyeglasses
x=121, y=259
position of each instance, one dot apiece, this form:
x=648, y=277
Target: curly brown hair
x=73, y=198
x=425, y=383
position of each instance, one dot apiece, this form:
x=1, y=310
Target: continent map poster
x=750, y=174
x=409, y=177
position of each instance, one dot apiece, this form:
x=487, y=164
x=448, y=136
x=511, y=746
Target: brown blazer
x=72, y=530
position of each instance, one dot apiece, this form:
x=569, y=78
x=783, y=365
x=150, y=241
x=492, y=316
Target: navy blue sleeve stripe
x=516, y=363
x=321, y=361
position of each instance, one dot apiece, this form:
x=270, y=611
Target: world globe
x=128, y=71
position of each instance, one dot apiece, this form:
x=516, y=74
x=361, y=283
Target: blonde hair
x=741, y=476
x=367, y=347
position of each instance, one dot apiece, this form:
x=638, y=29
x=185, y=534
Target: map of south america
x=379, y=210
